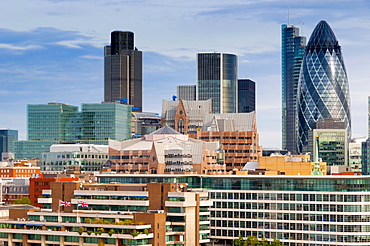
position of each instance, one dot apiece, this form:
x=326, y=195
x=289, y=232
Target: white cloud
x=15, y=47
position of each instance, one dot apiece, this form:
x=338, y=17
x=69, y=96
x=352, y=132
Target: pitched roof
x=165, y=130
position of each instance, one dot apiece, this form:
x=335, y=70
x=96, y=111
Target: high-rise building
x=217, y=79
x=292, y=51
x=54, y=123
x=246, y=96
x=187, y=92
x=7, y=139
x=323, y=91
x=123, y=70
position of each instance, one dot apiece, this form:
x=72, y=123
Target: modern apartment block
x=166, y=151
x=246, y=96
x=299, y=210
x=115, y=214
x=123, y=70
x=55, y=123
x=217, y=79
x=292, y=51
x=187, y=92
x=7, y=139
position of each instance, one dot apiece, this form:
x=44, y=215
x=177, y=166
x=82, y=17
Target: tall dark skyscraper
x=217, y=78
x=323, y=85
x=292, y=53
x=123, y=70
x=246, y=96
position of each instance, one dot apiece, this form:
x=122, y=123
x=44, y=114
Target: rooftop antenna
x=288, y=14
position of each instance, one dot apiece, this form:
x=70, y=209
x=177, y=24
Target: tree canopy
x=23, y=200
x=254, y=241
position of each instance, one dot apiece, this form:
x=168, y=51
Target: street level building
x=299, y=210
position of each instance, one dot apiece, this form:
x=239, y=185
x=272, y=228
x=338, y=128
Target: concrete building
x=296, y=209
x=116, y=214
x=355, y=154
x=289, y=164
x=166, y=151
x=123, y=70
x=184, y=116
x=7, y=139
x=79, y=157
x=187, y=92
x=217, y=79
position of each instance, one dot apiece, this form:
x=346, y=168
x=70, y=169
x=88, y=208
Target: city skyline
x=47, y=55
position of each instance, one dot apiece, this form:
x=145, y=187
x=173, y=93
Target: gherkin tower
x=323, y=90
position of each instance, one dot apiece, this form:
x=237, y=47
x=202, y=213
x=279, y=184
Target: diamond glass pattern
x=323, y=84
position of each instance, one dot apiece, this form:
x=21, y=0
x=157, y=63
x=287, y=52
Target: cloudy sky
x=52, y=50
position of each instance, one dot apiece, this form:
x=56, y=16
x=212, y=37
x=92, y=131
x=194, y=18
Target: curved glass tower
x=323, y=90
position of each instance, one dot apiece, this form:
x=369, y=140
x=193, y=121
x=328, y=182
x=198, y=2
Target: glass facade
x=123, y=70
x=246, y=96
x=7, y=139
x=217, y=80
x=292, y=51
x=106, y=120
x=297, y=210
x=323, y=85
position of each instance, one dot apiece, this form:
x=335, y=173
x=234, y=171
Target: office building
x=144, y=123
x=7, y=139
x=323, y=91
x=355, y=154
x=123, y=70
x=166, y=151
x=187, y=92
x=305, y=210
x=103, y=121
x=246, y=96
x=292, y=51
x=13, y=189
x=217, y=79
x=289, y=164
x=55, y=123
x=78, y=157
x=332, y=137
x=153, y=214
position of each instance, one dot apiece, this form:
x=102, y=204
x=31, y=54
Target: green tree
x=254, y=241
x=23, y=200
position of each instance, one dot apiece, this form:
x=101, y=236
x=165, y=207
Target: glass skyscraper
x=123, y=70
x=323, y=84
x=7, y=139
x=217, y=79
x=246, y=96
x=292, y=51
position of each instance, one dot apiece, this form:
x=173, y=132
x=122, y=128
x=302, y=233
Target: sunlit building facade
x=323, y=90
x=217, y=79
x=292, y=51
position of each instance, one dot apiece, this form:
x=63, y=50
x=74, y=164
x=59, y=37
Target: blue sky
x=52, y=50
